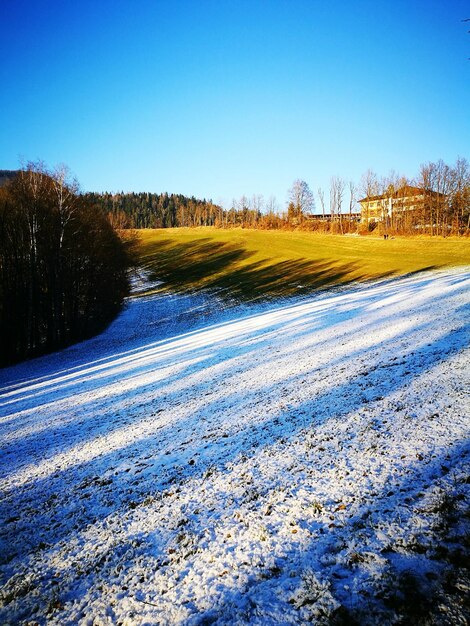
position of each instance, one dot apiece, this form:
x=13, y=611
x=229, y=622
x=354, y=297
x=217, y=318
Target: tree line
x=155, y=210
x=63, y=268
x=445, y=209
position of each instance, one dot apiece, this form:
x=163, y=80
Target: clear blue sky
x=223, y=98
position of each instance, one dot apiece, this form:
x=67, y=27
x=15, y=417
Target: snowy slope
x=274, y=465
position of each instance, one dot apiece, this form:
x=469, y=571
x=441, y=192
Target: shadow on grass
x=224, y=267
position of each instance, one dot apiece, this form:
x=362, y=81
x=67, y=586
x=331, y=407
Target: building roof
x=403, y=192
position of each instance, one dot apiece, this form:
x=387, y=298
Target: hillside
x=248, y=265
x=268, y=464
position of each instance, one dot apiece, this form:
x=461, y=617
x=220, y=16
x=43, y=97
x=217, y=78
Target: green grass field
x=254, y=264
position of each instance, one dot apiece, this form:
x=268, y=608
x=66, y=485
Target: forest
x=153, y=210
x=63, y=268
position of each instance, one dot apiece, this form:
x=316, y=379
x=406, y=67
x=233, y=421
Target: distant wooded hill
x=6, y=175
x=152, y=210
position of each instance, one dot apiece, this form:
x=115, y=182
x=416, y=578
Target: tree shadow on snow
x=47, y=511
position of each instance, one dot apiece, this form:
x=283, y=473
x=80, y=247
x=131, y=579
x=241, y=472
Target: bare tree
x=257, y=205
x=369, y=187
x=321, y=196
x=352, y=199
x=460, y=201
x=301, y=200
x=66, y=190
x=337, y=187
x=272, y=205
x=272, y=218
x=436, y=184
x=395, y=190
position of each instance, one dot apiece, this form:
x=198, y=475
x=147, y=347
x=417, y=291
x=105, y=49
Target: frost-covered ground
x=306, y=462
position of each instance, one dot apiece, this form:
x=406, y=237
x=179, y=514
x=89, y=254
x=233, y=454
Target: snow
x=305, y=461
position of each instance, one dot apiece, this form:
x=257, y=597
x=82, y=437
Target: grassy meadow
x=258, y=264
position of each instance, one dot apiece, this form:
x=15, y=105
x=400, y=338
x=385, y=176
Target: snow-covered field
x=305, y=462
